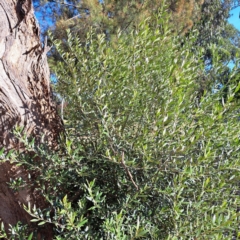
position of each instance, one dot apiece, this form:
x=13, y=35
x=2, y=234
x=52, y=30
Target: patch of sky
x=46, y=13
x=234, y=19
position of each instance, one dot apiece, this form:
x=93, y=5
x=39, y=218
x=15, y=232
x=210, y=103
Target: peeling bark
x=25, y=98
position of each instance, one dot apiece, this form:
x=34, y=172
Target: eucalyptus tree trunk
x=25, y=100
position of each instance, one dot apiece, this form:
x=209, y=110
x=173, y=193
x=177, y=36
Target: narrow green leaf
x=30, y=236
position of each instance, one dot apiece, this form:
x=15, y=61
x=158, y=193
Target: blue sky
x=234, y=19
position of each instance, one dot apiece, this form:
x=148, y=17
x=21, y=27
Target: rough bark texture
x=25, y=99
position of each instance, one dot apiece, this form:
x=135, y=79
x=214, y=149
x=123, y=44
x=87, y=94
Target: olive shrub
x=145, y=155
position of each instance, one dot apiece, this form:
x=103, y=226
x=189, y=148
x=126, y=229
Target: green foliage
x=144, y=157
x=19, y=231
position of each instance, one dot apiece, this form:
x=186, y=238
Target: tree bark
x=25, y=100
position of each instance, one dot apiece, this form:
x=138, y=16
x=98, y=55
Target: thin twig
x=62, y=108
x=71, y=5
x=127, y=171
x=73, y=17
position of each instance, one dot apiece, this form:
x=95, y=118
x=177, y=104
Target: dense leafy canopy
x=147, y=153
x=209, y=18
